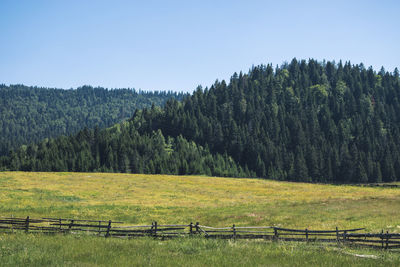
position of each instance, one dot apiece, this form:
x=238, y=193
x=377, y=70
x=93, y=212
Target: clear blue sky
x=177, y=45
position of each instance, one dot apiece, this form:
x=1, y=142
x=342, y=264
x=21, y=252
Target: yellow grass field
x=139, y=199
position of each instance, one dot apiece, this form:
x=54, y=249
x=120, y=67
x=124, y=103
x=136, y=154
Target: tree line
x=30, y=114
x=121, y=149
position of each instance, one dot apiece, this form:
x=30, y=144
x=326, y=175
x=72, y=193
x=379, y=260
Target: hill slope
x=30, y=114
x=303, y=121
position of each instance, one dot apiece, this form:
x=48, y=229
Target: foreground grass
x=39, y=250
x=138, y=199
x=141, y=199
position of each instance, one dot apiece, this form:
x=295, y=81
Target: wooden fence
x=378, y=185
x=119, y=229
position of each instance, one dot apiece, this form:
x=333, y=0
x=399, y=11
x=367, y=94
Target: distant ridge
x=30, y=114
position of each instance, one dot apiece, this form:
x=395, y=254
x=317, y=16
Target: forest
x=302, y=121
x=30, y=114
x=122, y=149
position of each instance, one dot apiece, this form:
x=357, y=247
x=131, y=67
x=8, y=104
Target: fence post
x=108, y=229
x=387, y=239
x=337, y=235
x=99, y=228
x=59, y=228
x=70, y=226
x=234, y=231
x=382, y=238
x=276, y=236
x=191, y=228
x=155, y=229
x=344, y=236
x=306, y=234
x=12, y=225
x=27, y=224
x=197, y=228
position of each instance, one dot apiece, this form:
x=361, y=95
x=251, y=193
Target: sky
x=178, y=45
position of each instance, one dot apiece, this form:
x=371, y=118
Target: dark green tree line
x=122, y=149
x=30, y=114
x=303, y=121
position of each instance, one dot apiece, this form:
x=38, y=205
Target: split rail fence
x=378, y=185
x=119, y=229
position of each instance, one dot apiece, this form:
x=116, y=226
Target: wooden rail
x=377, y=185
x=118, y=229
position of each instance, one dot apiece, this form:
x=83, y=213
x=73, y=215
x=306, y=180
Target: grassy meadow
x=138, y=199
x=141, y=199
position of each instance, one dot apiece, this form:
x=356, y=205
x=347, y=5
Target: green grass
x=39, y=250
x=141, y=199
x=211, y=201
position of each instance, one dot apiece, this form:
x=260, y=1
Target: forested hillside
x=303, y=121
x=30, y=114
x=121, y=149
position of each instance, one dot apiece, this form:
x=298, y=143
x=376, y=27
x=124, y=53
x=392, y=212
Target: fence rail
x=110, y=228
x=378, y=185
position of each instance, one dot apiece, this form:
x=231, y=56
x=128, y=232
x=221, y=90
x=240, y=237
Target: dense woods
x=303, y=121
x=30, y=114
x=122, y=149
